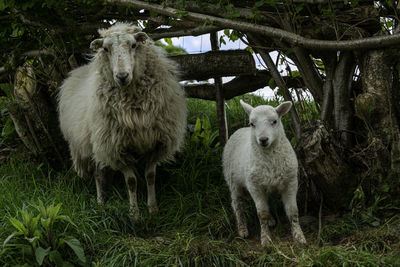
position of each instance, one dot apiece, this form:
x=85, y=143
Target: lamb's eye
x=252, y=124
x=274, y=122
x=133, y=45
x=105, y=49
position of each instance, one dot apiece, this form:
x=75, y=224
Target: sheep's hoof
x=153, y=210
x=243, y=232
x=266, y=240
x=100, y=201
x=271, y=222
x=299, y=237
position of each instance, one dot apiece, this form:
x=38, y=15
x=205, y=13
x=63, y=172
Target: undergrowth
x=195, y=225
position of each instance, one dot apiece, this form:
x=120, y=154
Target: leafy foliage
x=40, y=239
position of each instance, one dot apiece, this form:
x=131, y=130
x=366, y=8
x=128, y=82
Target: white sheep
x=124, y=108
x=259, y=159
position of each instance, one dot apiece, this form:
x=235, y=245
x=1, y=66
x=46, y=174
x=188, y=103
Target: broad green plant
x=40, y=238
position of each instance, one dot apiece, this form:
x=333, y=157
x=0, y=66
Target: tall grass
x=195, y=225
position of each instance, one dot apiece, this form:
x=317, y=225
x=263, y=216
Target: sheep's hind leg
x=261, y=201
x=289, y=202
x=99, y=177
x=150, y=175
x=237, y=206
x=131, y=184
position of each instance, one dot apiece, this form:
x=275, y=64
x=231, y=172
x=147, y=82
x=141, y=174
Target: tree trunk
x=35, y=118
x=324, y=163
x=375, y=108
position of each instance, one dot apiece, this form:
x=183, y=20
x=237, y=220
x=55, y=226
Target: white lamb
x=124, y=108
x=259, y=159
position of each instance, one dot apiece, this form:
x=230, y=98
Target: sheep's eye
x=274, y=122
x=252, y=124
x=133, y=45
x=105, y=49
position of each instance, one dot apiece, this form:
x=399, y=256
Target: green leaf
x=197, y=126
x=259, y=3
x=168, y=41
x=206, y=124
x=56, y=257
x=46, y=223
x=18, y=225
x=40, y=254
x=76, y=247
x=271, y=83
x=9, y=238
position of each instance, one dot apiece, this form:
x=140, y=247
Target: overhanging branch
x=292, y=38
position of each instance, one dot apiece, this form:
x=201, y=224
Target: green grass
x=195, y=225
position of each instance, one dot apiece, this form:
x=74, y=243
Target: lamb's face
x=265, y=122
x=119, y=49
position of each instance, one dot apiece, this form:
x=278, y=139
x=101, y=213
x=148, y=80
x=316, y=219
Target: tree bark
x=35, y=118
x=342, y=86
x=219, y=97
x=215, y=64
x=375, y=108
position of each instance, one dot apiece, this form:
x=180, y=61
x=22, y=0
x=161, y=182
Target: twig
x=320, y=220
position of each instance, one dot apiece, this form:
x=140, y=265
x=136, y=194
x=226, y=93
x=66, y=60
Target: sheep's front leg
x=289, y=202
x=237, y=206
x=261, y=201
x=99, y=177
x=150, y=175
x=131, y=184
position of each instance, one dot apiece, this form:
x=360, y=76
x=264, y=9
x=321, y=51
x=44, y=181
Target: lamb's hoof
x=243, y=232
x=271, y=222
x=153, y=209
x=134, y=212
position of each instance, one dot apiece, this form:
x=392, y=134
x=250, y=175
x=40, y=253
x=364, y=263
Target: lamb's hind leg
x=289, y=202
x=131, y=184
x=237, y=206
x=150, y=175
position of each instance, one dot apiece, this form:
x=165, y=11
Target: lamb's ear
x=141, y=37
x=246, y=107
x=283, y=108
x=96, y=44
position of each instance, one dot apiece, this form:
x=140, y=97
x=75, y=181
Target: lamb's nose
x=122, y=77
x=264, y=141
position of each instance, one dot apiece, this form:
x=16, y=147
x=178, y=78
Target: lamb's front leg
x=289, y=202
x=237, y=206
x=261, y=201
x=150, y=175
x=131, y=184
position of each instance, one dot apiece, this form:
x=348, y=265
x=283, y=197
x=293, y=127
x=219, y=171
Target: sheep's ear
x=246, y=107
x=141, y=37
x=283, y=108
x=96, y=44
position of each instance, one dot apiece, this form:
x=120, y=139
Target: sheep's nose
x=264, y=141
x=122, y=77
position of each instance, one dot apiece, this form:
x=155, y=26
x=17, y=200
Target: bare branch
x=281, y=84
x=185, y=32
x=242, y=84
x=215, y=64
x=292, y=38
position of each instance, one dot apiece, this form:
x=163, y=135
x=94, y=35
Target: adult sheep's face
x=119, y=48
x=265, y=122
